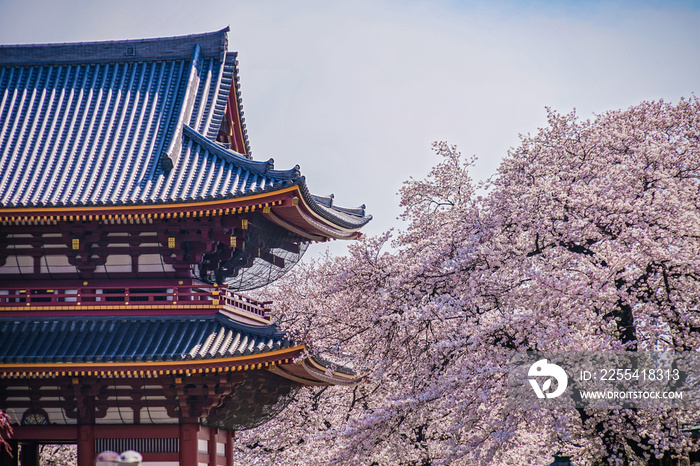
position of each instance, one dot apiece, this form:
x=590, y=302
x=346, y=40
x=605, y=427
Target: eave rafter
x=152, y=368
x=289, y=363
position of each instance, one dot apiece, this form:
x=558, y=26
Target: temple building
x=131, y=216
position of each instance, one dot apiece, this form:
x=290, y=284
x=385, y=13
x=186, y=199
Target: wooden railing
x=146, y=295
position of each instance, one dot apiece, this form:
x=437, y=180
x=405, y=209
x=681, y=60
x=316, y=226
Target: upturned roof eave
x=179, y=208
x=339, y=216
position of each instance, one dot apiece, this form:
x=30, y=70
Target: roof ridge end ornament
x=224, y=42
x=166, y=162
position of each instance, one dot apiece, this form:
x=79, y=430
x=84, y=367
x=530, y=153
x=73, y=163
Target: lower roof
x=116, y=339
x=129, y=346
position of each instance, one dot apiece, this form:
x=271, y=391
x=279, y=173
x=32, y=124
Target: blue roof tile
x=125, y=339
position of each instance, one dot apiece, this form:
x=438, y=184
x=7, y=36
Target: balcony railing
x=141, y=297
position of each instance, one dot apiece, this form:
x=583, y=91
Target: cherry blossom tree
x=586, y=238
x=58, y=455
x=5, y=429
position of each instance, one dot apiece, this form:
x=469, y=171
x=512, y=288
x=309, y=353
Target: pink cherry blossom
x=587, y=238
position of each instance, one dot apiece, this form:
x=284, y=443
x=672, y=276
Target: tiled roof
x=94, y=124
x=211, y=44
x=38, y=340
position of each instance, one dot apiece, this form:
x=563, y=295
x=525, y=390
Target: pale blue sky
x=356, y=91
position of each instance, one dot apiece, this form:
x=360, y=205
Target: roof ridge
x=188, y=101
x=212, y=43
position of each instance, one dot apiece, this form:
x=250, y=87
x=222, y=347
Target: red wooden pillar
x=212, y=445
x=86, y=445
x=188, y=444
x=9, y=456
x=29, y=456
x=229, y=448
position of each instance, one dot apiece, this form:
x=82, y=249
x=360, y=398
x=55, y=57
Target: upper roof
x=130, y=122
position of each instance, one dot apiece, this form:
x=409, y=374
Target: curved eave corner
x=316, y=219
x=312, y=371
x=286, y=206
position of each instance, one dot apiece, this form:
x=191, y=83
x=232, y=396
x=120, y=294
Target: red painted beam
x=122, y=312
x=53, y=433
x=143, y=431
